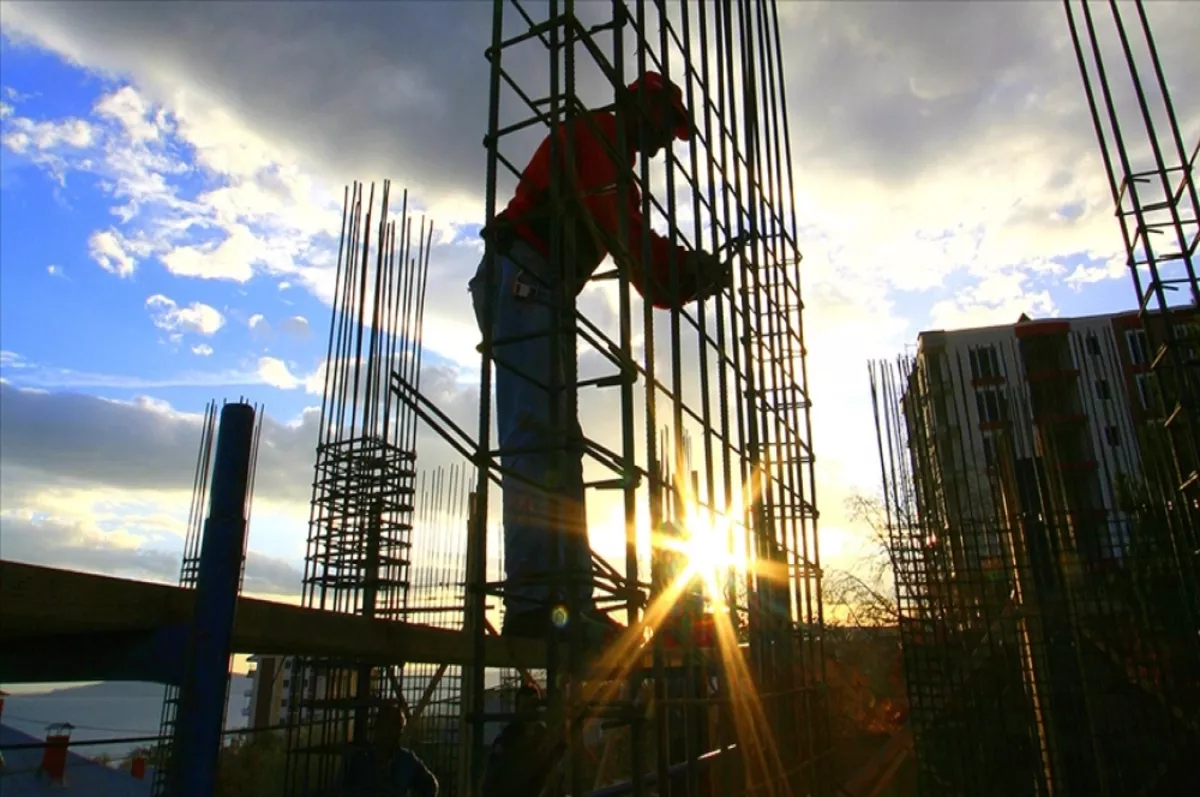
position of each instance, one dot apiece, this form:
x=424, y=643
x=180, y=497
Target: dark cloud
x=362, y=88
x=63, y=439
x=890, y=89
x=73, y=438
x=881, y=89
x=58, y=544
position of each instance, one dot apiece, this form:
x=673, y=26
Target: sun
x=706, y=552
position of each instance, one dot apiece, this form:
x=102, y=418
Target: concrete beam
x=43, y=602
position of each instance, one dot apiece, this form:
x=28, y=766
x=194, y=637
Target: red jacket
x=597, y=197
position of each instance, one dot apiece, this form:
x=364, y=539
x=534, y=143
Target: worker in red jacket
x=523, y=293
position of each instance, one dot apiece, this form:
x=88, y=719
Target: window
x=992, y=406
x=1093, y=344
x=1139, y=346
x=1112, y=436
x=984, y=363
x=989, y=450
x=1148, y=393
x=1103, y=390
x=1187, y=340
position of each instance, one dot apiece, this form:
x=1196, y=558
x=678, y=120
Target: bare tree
x=865, y=592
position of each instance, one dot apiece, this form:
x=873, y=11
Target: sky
x=171, y=178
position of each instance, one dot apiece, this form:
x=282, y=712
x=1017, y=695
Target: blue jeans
x=523, y=372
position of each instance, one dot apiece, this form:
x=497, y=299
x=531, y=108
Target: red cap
x=655, y=83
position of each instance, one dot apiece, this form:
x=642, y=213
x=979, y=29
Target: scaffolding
x=716, y=685
x=364, y=483
x=1045, y=645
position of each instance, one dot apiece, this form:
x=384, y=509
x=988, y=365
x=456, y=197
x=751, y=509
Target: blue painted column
x=206, y=677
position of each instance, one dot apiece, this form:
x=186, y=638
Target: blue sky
x=63, y=313
x=170, y=216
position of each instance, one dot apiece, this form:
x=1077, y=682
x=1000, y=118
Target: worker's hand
x=712, y=274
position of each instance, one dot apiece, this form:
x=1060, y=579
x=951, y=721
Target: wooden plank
x=40, y=601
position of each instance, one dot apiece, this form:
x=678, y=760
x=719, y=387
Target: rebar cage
x=1042, y=609
x=746, y=712
x=1151, y=176
x=365, y=480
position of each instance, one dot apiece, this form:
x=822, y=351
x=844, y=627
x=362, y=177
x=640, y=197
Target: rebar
x=364, y=485
x=1039, y=603
x=1151, y=176
x=733, y=381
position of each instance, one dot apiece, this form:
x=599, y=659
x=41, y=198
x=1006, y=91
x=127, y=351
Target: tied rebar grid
x=360, y=531
x=433, y=692
x=736, y=386
x=189, y=570
x=1039, y=601
x=1151, y=176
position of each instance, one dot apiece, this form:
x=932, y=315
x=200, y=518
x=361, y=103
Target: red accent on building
x=1030, y=329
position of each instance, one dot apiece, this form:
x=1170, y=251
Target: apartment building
x=271, y=690
x=1031, y=420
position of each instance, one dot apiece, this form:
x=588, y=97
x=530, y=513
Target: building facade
x=1030, y=478
x=1038, y=417
x=272, y=689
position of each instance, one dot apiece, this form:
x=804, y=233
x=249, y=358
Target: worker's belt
x=527, y=289
x=501, y=234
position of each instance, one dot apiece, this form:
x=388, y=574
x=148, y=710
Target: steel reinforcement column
x=203, y=691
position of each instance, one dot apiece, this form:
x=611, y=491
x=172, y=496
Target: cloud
x=275, y=372
x=296, y=326
x=197, y=318
x=109, y=249
x=202, y=350
x=73, y=545
x=72, y=439
x=946, y=169
x=112, y=481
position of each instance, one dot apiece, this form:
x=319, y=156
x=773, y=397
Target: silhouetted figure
x=524, y=754
x=385, y=768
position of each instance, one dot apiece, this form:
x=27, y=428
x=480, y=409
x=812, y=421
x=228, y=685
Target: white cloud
x=261, y=330
x=108, y=249
x=25, y=136
x=275, y=372
x=197, y=318
x=128, y=108
x=55, y=271
x=947, y=170
x=202, y=350
x=296, y=326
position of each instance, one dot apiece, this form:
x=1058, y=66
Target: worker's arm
x=598, y=176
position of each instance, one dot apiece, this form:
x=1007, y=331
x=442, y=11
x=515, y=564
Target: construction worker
x=523, y=755
x=524, y=290
x=385, y=768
